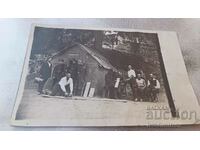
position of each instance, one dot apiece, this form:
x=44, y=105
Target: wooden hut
x=94, y=64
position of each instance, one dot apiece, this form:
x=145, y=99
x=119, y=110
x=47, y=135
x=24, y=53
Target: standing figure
x=44, y=74
x=118, y=85
x=131, y=80
x=58, y=72
x=109, y=85
x=73, y=70
x=141, y=85
x=153, y=88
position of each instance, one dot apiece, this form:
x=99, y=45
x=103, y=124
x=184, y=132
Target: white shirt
x=63, y=82
x=131, y=73
x=141, y=83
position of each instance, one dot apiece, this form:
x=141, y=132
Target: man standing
x=131, y=80
x=57, y=74
x=64, y=87
x=109, y=84
x=141, y=85
x=131, y=72
x=59, y=71
x=118, y=85
x=73, y=69
x=44, y=73
x=153, y=87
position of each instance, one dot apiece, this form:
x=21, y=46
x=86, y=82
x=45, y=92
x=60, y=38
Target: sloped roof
x=98, y=57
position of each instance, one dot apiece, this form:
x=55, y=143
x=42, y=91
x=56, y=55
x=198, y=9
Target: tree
x=98, y=35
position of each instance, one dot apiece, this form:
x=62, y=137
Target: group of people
x=57, y=81
x=141, y=89
x=62, y=81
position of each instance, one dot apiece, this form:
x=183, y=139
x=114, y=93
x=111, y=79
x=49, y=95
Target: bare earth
x=37, y=107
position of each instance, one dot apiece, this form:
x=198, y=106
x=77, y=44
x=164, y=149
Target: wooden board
x=117, y=83
x=91, y=93
x=87, y=88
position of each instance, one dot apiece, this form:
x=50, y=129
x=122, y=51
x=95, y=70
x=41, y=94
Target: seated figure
x=64, y=87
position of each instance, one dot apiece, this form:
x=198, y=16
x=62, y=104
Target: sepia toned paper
x=178, y=106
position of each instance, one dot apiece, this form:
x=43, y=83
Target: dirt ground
x=37, y=107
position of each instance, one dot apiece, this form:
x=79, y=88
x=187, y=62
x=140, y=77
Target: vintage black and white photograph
x=102, y=75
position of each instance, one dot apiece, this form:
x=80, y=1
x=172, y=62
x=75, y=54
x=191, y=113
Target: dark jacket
x=59, y=72
x=109, y=79
x=45, y=70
